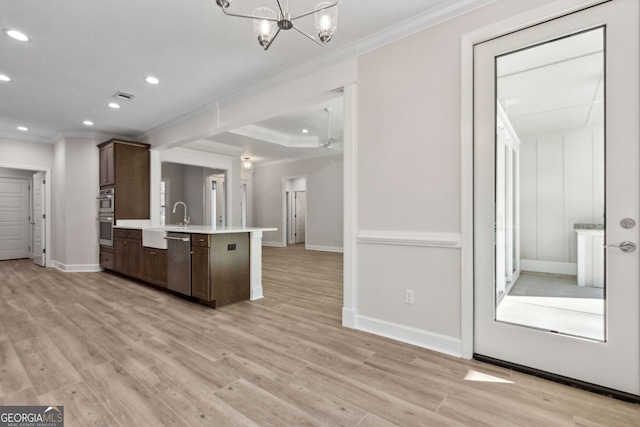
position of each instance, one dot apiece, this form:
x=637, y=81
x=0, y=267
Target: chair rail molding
x=409, y=238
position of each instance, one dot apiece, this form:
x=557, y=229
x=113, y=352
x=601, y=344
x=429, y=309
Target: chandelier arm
x=307, y=36
x=281, y=9
x=315, y=10
x=273, y=39
x=237, y=15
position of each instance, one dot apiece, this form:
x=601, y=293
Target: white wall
x=561, y=183
x=16, y=173
x=409, y=128
x=75, y=209
x=324, y=187
x=25, y=154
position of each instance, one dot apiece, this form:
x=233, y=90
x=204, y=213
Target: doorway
x=14, y=218
x=555, y=143
x=295, y=209
x=215, y=201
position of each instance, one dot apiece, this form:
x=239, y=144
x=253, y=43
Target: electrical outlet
x=408, y=296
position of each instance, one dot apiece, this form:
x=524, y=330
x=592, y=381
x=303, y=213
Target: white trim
x=403, y=238
x=255, y=262
x=468, y=40
x=418, y=337
x=324, y=248
x=274, y=244
x=350, y=206
x=550, y=267
x=348, y=318
x=76, y=268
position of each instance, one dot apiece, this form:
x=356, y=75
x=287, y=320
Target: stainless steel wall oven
x=105, y=200
x=106, y=216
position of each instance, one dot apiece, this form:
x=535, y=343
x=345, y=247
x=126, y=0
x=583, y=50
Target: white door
x=14, y=218
x=215, y=201
x=38, y=219
x=300, y=216
x=579, y=157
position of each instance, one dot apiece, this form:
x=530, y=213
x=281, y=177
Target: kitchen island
x=217, y=266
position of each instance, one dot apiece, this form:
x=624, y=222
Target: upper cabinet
x=107, y=168
x=124, y=166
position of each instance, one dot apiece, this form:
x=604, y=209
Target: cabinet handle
x=182, y=239
x=152, y=253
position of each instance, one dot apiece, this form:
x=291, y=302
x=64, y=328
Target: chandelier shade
x=267, y=23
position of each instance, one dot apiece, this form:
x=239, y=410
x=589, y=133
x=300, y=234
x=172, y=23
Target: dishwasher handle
x=182, y=239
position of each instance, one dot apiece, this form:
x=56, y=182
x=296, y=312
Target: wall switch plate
x=408, y=296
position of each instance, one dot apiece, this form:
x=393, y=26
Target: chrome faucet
x=185, y=219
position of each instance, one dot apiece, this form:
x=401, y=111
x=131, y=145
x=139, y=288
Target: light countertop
x=199, y=229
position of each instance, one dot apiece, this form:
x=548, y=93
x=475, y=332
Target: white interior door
x=14, y=218
x=215, y=201
x=597, y=122
x=38, y=219
x=300, y=216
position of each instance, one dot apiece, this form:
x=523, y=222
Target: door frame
x=47, y=176
x=288, y=194
x=535, y=16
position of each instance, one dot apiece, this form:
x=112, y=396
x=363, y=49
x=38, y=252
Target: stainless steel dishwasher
x=179, y=262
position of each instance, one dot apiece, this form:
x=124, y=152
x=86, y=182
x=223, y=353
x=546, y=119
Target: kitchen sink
x=154, y=238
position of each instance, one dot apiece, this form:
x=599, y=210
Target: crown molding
x=421, y=22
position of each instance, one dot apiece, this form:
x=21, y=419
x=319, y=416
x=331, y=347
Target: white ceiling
x=82, y=52
x=554, y=87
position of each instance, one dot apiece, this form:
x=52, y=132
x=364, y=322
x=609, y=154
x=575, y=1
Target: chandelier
x=267, y=24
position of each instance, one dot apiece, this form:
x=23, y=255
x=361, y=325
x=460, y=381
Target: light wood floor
x=116, y=353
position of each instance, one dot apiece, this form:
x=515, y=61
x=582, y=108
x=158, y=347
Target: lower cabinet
x=200, y=271
x=128, y=251
x=106, y=257
x=220, y=270
x=154, y=266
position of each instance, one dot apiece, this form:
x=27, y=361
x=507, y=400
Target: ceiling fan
x=330, y=142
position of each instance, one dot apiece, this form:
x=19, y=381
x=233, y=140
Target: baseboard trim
x=409, y=335
x=76, y=268
x=324, y=248
x=403, y=238
x=550, y=267
x=348, y=318
x=273, y=244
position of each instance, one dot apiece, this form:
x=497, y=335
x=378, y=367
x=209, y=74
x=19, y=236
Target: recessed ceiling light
x=152, y=80
x=17, y=35
x=114, y=105
x=305, y=130
x=88, y=122
x=4, y=78
x=23, y=128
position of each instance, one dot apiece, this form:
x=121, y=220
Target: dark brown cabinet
x=106, y=257
x=200, y=273
x=107, y=168
x=127, y=245
x=154, y=266
x=125, y=166
x=220, y=270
